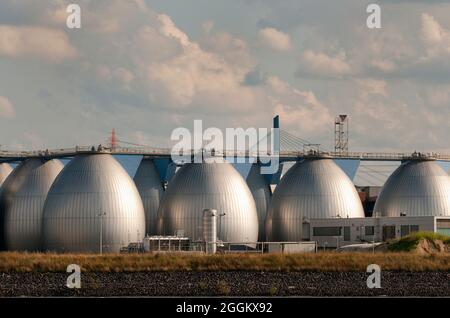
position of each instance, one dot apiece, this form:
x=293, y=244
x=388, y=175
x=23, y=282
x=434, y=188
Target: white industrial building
x=337, y=232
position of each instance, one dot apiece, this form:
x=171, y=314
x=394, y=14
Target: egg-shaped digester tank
x=150, y=188
x=219, y=186
x=315, y=188
x=5, y=170
x=93, y=206
x=262, y=195
x=415, y=188
x=22, y=200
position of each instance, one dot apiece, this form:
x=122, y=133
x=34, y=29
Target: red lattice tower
x=113, y=139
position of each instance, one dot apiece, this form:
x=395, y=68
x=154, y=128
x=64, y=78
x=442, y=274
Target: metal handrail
x=166, y=152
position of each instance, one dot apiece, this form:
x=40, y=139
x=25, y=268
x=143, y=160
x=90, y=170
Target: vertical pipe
x=210, y=230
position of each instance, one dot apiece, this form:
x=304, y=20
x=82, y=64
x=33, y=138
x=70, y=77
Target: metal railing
x=167, y=152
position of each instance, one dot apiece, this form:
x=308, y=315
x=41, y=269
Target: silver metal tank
x=268, y=223
x=416, y=188
x=5, y=170
x=210, y=230
x=315, y=188
x=150, y=188
x=93, y=201
x=262, y=194
x=22, y=200
x=199, y=186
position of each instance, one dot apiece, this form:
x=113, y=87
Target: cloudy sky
x=147, y=67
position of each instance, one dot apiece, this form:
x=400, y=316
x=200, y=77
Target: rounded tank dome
x=219, y=186
x=5, y=170
x=416, y=188
x=92, y=198
x=311, y=189
x=262, y=194
x=150, y=188
x=22, y=201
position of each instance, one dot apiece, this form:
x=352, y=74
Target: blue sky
x=148, y=67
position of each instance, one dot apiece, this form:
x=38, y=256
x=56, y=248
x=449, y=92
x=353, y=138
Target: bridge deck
x=166, y=153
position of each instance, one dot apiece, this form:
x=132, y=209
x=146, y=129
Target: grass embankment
x=323, y=261
x=411, y=242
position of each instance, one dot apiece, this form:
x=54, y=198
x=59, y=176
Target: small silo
x=416, y=188
x=93, y=206
x=5, y=170
x=150, y=189
x=315, y=188
x=22, y=200
x=219, y=186
x=262, y=194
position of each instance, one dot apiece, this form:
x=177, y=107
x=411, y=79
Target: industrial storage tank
x=199, y=186
x=262, y=195
x=315, y=188
x=416, y=188
x=5, y=170
x=22, y=200
x=93, y=206
x=268, y=222
x=150, y=188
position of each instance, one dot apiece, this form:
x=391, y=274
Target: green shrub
x=409, y=243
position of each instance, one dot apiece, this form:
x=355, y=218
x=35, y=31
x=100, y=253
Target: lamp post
x=101, y=215
x=220, y=224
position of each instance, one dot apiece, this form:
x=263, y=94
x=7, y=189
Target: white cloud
x=435, y=37
x=134, y=63
x=123, y=75
x=169, y=29
x=6, y=108
x=298, y=110
x=373, y=86
x=324, y=65
x=384, y=65
x=36, y=42
x=233, y=50
x=275, y=39
x=431, y=30
x=199, y=78
x=438, y=96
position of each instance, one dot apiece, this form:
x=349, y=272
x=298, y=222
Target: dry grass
x=329, y=261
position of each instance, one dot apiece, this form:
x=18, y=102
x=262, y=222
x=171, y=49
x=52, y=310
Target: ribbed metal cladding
x=200, y=186
x=268, y=223
x=311, y=189
x=150, y=189
x=22, y=201
x=5, y=170
x=210, y=230
x=416, y=188
x=89, y=186
x=262, y=195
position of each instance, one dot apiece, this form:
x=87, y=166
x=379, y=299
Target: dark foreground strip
x=234, y=284
x=213, y=306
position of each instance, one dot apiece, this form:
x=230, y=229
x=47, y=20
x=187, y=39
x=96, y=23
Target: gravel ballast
x=226, y=283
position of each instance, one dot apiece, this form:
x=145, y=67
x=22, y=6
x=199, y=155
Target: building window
x=404, y=230
x=327, y=231
x=408, y=229
x=347, y=233
x=369, y=230
x=443, y=226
